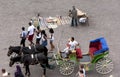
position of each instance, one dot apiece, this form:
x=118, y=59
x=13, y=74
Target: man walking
x=31, y=30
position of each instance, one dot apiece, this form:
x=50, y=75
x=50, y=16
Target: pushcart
x=82, y=17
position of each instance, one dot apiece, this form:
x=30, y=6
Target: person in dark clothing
x=23, y=36
x=74, y=17
x=18, y=72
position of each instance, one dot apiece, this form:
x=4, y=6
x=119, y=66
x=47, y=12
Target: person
x=44, y=38
x=18, y=72
x=83, y=69
x=23, y=36
x=31, y=21
x=5, y=73
x=51, y=31
x=74, y=17
x=31, y=30
x=39, y=18
x=38, y=35
x=71, y=46
x=70, y=13
x=80, y=73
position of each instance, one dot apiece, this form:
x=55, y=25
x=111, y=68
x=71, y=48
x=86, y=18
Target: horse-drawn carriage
x=97, y=55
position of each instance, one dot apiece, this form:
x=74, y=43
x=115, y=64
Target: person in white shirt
x=5, y=73
x=80, y=73
x=51, y=31
x=38, y=35
x=83, y=69
x=31, y=30
x=70, y=47
x=73, y=44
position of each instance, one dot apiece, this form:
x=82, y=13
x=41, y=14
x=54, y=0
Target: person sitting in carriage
x=71, y=46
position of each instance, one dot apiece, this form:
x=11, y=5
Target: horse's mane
x=15, y=48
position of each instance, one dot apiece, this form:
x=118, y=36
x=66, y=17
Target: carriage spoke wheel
x=104, y=66
x=66, y=68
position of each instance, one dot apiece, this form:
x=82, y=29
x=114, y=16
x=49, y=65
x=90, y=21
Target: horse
x=29, y=59
x=26, y=50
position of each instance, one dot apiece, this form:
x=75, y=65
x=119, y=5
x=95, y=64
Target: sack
x=82, y=19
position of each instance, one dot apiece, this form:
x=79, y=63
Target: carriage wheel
x=104, y=66
x=66, y=68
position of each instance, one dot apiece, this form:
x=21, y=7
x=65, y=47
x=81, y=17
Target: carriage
x=97, y=56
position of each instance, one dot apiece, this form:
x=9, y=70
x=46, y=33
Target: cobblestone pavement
x=103, y=19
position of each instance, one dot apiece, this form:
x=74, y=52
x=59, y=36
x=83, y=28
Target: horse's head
x=11, y=62
x=15, y=49
x=10, y=51
x=14, y=60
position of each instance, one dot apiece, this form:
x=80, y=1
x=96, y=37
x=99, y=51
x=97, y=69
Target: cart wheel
x=104, y=66
x=67, y=68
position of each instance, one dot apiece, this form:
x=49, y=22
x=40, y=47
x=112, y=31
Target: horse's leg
x=44, y=72
x=27, y=69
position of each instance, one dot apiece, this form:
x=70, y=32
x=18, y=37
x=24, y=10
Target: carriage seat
x=97, y=46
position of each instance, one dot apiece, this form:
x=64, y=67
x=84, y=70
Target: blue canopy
x=103, y=44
